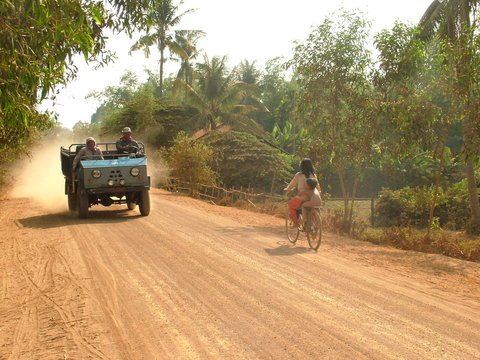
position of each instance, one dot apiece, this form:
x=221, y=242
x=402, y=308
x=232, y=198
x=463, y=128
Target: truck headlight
x=110, y=182
x=122, y=182
x=96, y=173
x=134, y=171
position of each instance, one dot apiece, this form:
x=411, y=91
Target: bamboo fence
x=260, y=201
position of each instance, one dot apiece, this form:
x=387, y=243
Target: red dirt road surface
x=199, y=281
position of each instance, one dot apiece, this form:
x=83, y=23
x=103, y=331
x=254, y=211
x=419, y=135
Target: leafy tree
x=451, y=20
x=162, y=18
x=244, y=160
x=138, y=112
x=129, y=104
x=406, y=107
x=154, y=120
x=39, y=39
x=114, y=97
x=278, y=96
x=413, y=84
x=335, y=98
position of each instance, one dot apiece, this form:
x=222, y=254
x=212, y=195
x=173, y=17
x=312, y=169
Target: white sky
x=255, y=30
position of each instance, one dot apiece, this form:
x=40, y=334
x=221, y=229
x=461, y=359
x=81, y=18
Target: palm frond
x=144, y=43
x=194, y=98
x=431, y=19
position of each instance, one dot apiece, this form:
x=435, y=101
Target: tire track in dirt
x=43, y=313
x=105, y=289
x=40, y=286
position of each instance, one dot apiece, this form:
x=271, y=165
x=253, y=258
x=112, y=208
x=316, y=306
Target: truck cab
x=118, y=178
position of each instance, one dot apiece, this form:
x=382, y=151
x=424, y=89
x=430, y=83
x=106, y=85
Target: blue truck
x=118, y=178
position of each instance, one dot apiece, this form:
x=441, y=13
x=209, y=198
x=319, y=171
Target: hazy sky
x=251, y=29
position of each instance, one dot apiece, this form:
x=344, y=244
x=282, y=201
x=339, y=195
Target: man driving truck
x=126, y=144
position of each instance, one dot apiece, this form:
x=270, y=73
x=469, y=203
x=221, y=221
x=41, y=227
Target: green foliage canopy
x=334, y=93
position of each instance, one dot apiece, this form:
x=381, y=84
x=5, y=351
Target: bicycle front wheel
x=314, y=233
x=291, y=228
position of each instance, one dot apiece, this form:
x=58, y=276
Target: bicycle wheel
x=291, y=228
x=314, y=233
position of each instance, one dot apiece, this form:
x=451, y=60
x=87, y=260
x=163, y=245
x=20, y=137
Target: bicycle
x=312, y=228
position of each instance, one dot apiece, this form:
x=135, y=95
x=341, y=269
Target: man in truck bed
x=90, y=152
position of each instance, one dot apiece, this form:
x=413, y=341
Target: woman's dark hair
x=306, y=168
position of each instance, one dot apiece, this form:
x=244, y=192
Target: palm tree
x=162, y=18
x=186, y=41
x=247, y=72
x=452, y=20
x=249, y=75
x=447, y=18
x=219, y=98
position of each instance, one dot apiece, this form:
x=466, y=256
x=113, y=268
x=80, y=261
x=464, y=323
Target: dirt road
x=198, y=281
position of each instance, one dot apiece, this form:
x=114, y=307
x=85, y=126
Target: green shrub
x=190, y=161
x=408, y=207
x=456, y=206
x=411, y=207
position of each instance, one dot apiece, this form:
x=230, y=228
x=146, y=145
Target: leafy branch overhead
x=39, y=41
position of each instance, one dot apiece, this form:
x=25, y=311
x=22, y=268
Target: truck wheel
x=82, y=202
x=144, y=205
x=72, y=202
x=131, y=200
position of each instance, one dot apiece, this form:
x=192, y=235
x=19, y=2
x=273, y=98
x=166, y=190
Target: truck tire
x=72, y=202
x=72, y=197
x=131, y=200
x=144, y=204
x=82, y=203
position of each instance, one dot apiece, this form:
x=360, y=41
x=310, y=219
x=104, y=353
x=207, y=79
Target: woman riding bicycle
x=299, y=182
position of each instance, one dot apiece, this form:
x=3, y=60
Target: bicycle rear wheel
x=291, y=228
x=314, y=233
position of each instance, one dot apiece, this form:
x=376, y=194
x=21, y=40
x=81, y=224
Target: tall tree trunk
x=354, y=194
x=341, y=178
x=161, y=71
x=468, y=135
x=438, y=177
x=473, y=197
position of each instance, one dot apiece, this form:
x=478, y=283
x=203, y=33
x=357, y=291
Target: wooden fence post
x=372, y=212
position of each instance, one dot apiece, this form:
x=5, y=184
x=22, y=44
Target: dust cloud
x=39, y=177
x=158, y=171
